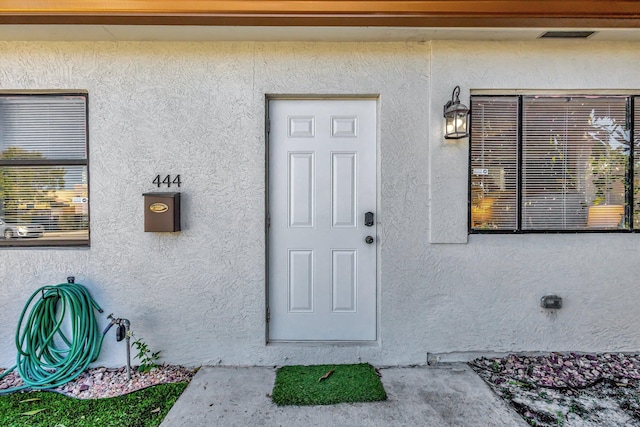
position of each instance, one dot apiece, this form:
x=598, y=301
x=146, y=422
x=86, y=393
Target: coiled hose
x=47, y=357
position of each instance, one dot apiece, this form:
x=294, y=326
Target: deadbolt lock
x=368, y=219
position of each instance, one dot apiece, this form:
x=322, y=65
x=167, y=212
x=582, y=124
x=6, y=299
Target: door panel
x=302, y=194
x=300, y=281
x=322, y=181
x=343, y=194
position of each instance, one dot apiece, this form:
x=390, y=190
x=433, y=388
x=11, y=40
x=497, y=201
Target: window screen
x=494, y=154
x=636, y=165
x=550, y=163
x=43, y=170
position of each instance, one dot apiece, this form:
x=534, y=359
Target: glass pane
x=43, y=127
x=575, y=155
x=494, y=137
x=44, y=203
x=636, y=165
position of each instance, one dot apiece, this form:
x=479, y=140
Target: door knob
x=368, y=240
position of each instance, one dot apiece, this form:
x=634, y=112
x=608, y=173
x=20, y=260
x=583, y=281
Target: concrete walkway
x=445, y=395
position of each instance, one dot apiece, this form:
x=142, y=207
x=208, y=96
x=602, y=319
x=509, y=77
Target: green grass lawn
x=144, y=408
x=327, y=384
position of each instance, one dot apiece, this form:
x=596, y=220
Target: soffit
x=286, y=34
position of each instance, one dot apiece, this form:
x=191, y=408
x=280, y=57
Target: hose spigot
x=123, y=331
x=113, y=322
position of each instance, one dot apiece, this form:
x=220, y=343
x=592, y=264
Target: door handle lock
x=368, y=240
x=368, y=219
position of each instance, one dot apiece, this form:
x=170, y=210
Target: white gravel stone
x=97, y=383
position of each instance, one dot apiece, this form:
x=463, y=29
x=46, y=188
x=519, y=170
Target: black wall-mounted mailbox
x=161, y=211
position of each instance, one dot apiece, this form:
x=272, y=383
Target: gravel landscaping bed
x=97, y=383
x=567, y=389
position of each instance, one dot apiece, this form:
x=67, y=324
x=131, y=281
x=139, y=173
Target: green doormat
x=327, y=384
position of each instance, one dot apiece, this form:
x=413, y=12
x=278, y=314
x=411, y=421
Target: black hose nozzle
x=107, y=328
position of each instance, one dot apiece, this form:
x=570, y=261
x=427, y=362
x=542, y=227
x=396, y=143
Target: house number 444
x=167, y=180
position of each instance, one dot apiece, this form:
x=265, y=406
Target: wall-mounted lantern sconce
x=456, y=115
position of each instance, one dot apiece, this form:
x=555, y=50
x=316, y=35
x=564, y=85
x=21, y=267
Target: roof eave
x=356, y=13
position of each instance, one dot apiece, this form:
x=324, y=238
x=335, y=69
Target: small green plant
x=506, y=393
x=148, y=359
x=577, y=408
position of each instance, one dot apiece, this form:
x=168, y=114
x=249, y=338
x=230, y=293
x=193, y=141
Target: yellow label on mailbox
x=158, y=207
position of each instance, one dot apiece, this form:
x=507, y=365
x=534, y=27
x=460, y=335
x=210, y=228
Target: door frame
x=378, y=291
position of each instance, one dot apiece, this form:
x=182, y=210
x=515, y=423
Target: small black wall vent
x=566, y=34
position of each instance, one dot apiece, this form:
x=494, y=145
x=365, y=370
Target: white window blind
x=636, y=165
x=560, y=164
x=574, y=156
x=43, y=170
x=49, y=127
x=494, y=154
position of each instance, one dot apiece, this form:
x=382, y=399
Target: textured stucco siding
x=492, y=304
x=198, y=110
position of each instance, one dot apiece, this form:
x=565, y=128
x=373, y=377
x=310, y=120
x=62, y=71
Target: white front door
x=322, y=254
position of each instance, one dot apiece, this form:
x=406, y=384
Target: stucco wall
x=198, y=109
x=492, y=302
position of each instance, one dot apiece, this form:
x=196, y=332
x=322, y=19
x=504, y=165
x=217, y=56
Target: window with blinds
x=494, y=163
x=636, y=163
x=552, y=163
x=44, y=196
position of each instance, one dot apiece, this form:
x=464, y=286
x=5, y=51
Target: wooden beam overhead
x=437, y=13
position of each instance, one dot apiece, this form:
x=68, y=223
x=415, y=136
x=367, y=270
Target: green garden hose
x=47, y=357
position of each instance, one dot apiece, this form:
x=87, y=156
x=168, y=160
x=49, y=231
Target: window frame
x=38, y=242
x=630, y=201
